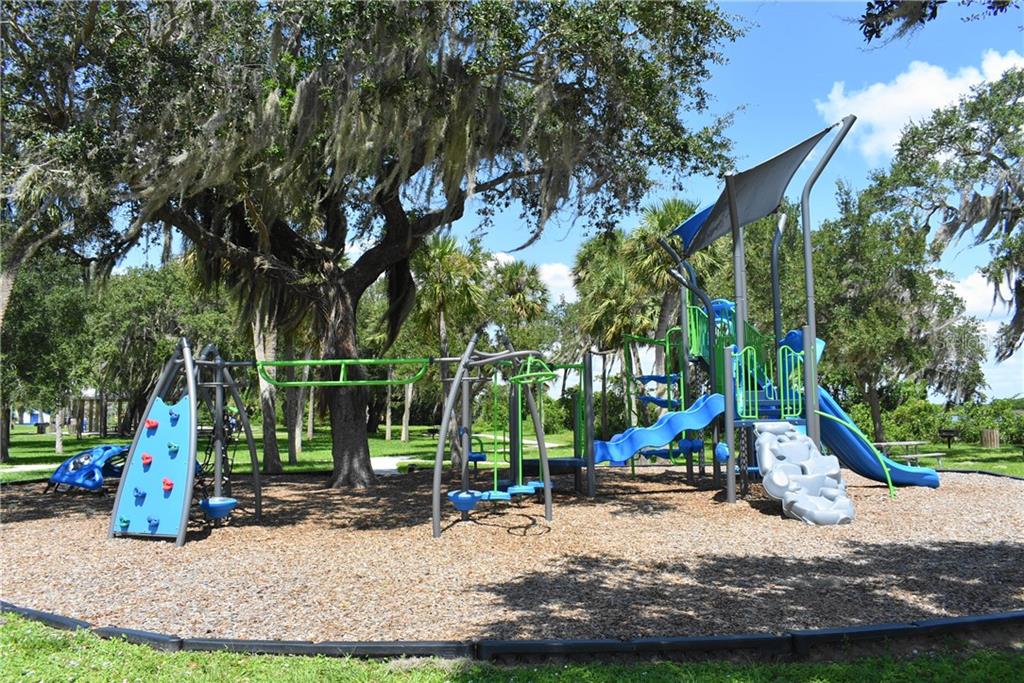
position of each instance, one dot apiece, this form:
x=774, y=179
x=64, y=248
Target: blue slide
x=859, y=457
x=624, y=446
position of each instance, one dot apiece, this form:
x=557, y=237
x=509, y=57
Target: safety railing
x=745, y=370
x=697, y=319
x=791, y=383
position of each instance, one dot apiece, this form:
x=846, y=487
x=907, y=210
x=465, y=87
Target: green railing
x=697, y=319
x=745, y=369
x=791, y=383
x=344, y=364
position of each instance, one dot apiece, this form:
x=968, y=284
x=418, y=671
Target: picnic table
x=907, y=451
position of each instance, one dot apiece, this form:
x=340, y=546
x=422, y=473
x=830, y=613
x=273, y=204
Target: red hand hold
x=147, y=459
x=151, y=424
x=168, y=484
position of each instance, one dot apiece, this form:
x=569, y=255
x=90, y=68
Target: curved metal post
x=691, y=284
x=449, y=406
x=777, y=281
x=465, y=429
x=811, y=363
x=538, y=430
x=243, y=415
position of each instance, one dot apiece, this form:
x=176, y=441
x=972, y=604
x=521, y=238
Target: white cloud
x=558, y=278
x=500, y=258
x=883, y=109
x=976, y=292
x=1006, y=378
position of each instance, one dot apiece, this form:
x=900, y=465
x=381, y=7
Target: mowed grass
x=33, y=652
x=37, y=451
x=33, y=457
x=1007, y=459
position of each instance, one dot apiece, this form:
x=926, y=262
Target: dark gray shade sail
x=758, y=192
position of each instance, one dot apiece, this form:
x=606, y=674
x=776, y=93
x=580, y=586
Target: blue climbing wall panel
x=145, y=506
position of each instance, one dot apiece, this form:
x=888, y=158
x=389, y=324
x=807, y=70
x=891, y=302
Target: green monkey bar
x=343, y=379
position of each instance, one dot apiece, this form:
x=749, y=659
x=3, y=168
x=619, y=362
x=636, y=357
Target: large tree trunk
x=5, y=432
x=875, y=403
x=8, y=273
x=407, y=412
x=349, y=448
x=58, y=430
x=264, y=337
x=79, y=418
x=168, y=251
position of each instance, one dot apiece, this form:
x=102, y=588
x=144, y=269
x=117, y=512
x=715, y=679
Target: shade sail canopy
x=758, y=193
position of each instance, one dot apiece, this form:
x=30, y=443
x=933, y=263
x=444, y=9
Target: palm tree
x=450, y=287
x=520, y=299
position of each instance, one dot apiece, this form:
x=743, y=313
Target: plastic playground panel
x=156, y=490
x=88, y=469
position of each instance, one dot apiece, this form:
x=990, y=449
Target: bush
x=999, y=414
x=913, y=420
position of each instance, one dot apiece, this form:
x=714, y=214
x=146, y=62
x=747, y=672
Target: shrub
x=913, y=420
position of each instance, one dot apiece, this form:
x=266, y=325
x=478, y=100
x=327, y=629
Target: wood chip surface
x=651, y=556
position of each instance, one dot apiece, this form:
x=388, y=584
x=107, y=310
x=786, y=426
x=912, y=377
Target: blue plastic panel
x=157, y=512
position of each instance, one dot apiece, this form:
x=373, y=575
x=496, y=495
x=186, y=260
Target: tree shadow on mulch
x=598, y=597
x=394, y=502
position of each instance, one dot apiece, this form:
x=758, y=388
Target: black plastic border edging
x=990, y=474
x=793, y=645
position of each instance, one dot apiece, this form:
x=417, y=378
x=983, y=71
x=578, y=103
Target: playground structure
x=751, y=379
x=162, y=475
x=754, y=380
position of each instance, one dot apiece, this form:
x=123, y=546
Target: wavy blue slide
x=855, y=454
x=624, y=446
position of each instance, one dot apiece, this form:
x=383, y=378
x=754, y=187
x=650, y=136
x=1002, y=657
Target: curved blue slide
x=624, y=446
x=859, y=457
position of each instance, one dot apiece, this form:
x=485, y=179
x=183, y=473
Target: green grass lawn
x=34, y=652
x=29, y=448
x=1002, y=460
x=36, y=450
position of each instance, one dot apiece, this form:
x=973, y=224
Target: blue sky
x=800, y=67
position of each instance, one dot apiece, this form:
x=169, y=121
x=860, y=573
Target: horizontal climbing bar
x=344, y=363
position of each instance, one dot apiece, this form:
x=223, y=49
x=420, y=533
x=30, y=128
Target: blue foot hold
x=496, y=495
x=521, y=490
x=218, y=507
x=464, y=501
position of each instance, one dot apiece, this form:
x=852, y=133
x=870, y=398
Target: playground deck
x=649, y=557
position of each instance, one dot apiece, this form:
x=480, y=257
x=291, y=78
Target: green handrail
x=791, y=377
x=745, y=373
x=529, y=375
x=344, y=364
x=881, y=458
